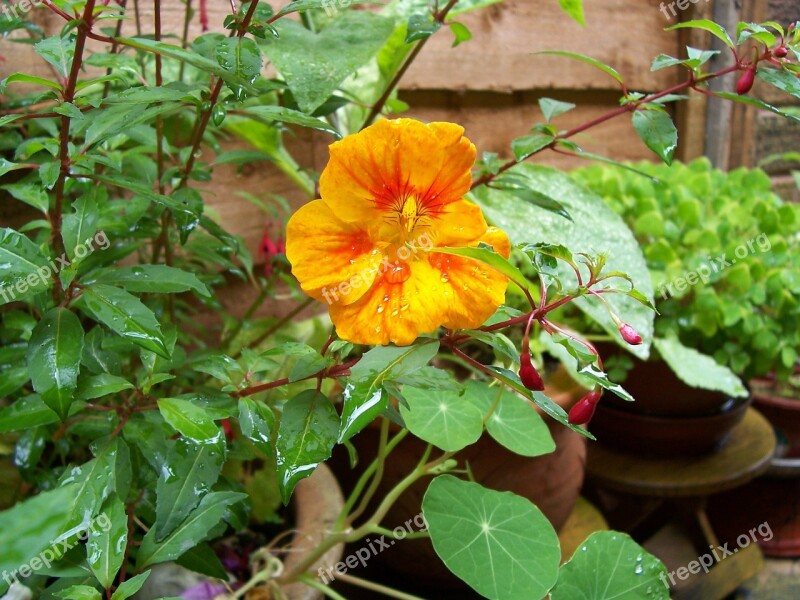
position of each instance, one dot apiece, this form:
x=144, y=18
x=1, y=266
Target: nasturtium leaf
x=608, y=565
x=160, y=279
x=105, y=548
x=28, y=528
x=190, y=420
x=443, y=418
x=190, y=471
x=188, y=533
x=657, y=131
x=306, y=437
x=514, y=423
x=54, y=358
x=499, y=543
x=364, y=397
x=130, y=586
x=595, y=228
x=315, y=64
x=256, y=421
x=699, y=370
x=125, y=315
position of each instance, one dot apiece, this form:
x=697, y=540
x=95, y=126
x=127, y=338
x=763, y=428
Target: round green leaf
x=442, y=417
x=497, y=542
x=514, y=422
x=611, y=565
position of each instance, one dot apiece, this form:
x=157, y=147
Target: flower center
x=409, y=215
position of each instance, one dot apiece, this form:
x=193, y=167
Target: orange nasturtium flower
x=391, y=195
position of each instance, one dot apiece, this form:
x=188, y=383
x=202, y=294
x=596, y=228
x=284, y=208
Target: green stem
x=318, y=585
x=376, y=587
x=373, y=486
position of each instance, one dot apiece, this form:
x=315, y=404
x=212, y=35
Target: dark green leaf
x=190, y=420
x=160, y=279
x=58, y=51
x=54, y=357
x=80, y=225
x=420, y=27
x=656, y=129
x=130, y=586
x=105, y=548
x=306, y=436
x=125, y=315
x=256, y=421
x=208, y=515
x=25, y=413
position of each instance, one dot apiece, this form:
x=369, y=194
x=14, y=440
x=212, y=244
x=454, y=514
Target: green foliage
x=722, y=253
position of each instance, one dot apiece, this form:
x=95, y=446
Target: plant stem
x=439, y=17
x=187, y=17
x=63, y=153
x=281, y=322
x=376, y=479
x=690, y=83
x=318, y=585
x=375, y=587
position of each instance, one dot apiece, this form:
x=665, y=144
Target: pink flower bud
x=582, y=412
x=529, y=375
x=746, y=80
x=629, y=334
x=781, y=52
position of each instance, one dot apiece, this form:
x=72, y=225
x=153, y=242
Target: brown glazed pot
x=668, y=436
x=782, y=412
x=552, y=482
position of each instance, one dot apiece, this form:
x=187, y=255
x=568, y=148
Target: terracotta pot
x=665, y=436
x=552, y=482
x=782, y=412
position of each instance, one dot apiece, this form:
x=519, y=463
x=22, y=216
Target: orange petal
x=393, y=310
x=334, y=261
x=473, y=290
x=459, y=224
x=377, y=169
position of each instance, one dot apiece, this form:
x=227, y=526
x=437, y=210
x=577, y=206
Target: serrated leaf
x=193, y=530
x=306, y=436
x=658, y=132
x=105, y=548
x=58, y=51
x=190, y=471
x=125, y=315
x=54, y=357
x=499, y=543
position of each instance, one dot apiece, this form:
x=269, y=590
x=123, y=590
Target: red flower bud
x=582, y=412
x=271, y=250
x=629, y=334
x=228, y=429
x=781, y=52
x=529, y=375
x=746, y=80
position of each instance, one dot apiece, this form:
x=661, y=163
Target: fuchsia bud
x=781, y=52
x=629, y=334
x=746, y=81
x=529, y=375
x=582, y=412
x=271, y=250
